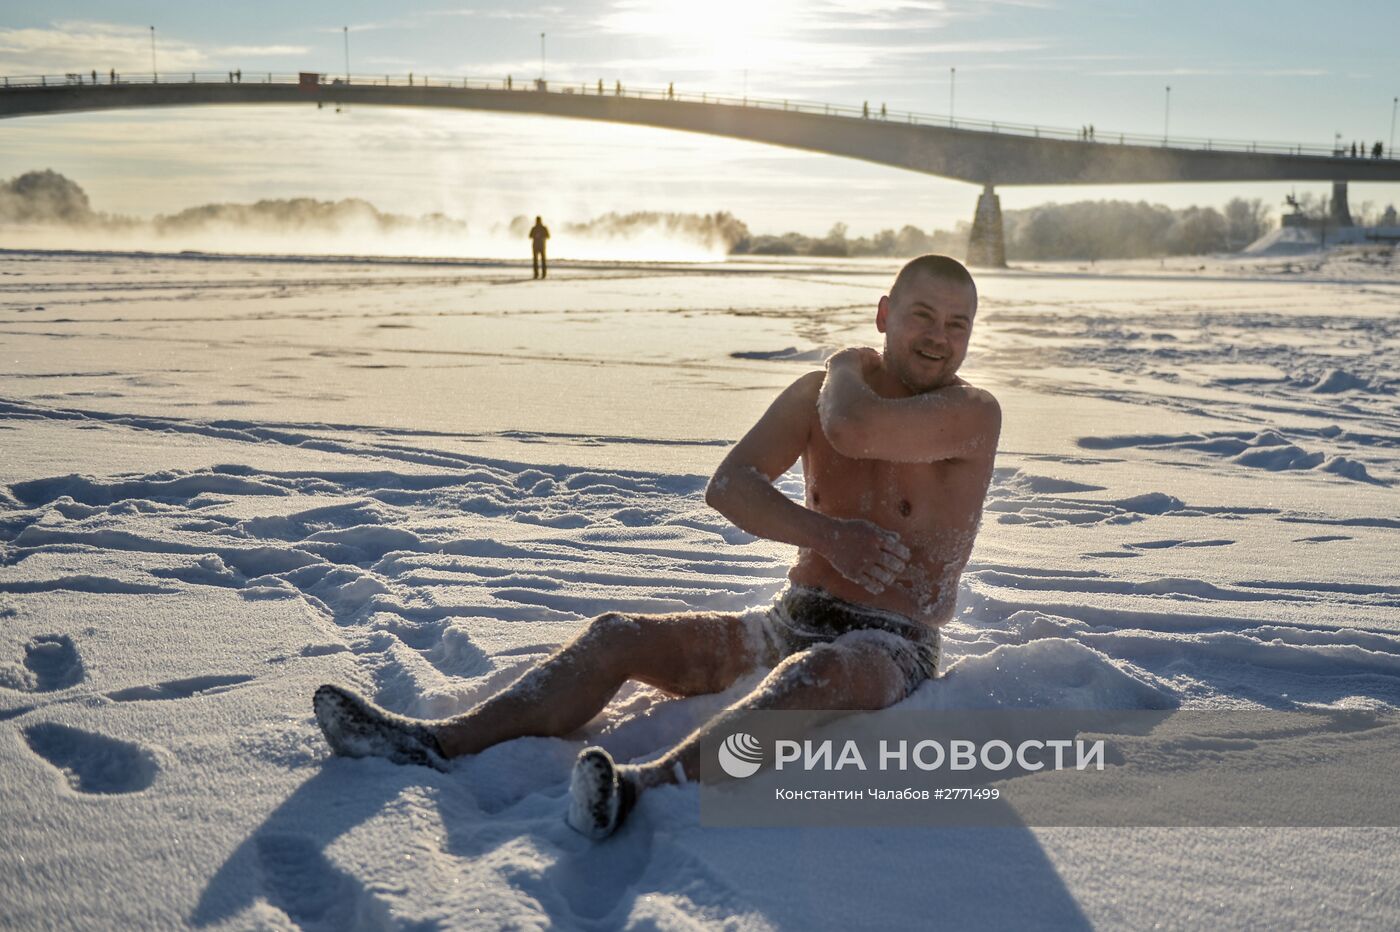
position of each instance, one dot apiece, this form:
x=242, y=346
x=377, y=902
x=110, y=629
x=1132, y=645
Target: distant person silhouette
x=538, y=234
x=882, y=111
x=600, y=87
x=1376, y=150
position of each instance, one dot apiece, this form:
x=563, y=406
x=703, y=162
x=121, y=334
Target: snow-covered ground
x=223, y=482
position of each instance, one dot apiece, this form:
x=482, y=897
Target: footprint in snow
x=93, y=763
x=51, y=663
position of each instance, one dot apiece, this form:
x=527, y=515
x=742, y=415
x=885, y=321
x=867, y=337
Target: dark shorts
x=803, y=617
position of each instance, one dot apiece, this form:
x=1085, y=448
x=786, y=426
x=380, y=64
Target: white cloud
x=679, y=18
x=545, y=12
x=795, y=42
x=424, y=18
x=261, y=51
x=1216, y=72
x=1114, y=56
x=83, y=46
x=407, y=22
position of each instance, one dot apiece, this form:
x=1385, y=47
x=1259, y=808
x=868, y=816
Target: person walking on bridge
x=538, y=234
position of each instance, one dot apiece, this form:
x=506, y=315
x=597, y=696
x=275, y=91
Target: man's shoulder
x=963, y=391
x=807, y=388
x=802, y=394
x=987, y=412
x=978, y=407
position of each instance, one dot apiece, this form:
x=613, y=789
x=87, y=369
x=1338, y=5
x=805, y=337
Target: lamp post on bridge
x=155, y=75
x=346, y=31
x=541, y=59
x=1393, y=102
x=1167, y=120
x=952, y=89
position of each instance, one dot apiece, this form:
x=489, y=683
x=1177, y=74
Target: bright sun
x=721, y=34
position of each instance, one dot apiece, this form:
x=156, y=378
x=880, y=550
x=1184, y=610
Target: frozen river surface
x=225, y=481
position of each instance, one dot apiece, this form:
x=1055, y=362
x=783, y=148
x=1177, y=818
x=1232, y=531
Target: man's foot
x=600, y=794
x=356, y=727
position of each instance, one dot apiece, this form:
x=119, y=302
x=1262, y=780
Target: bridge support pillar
x=1340, y=213
x=986, y=247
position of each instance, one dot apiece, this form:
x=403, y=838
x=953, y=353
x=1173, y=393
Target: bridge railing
x=616, y=89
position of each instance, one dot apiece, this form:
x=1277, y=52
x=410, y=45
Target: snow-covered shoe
x=600, y=795
x=356, y=727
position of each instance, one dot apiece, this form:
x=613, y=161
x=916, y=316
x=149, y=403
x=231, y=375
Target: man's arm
x=742, y=490
x=956, y=422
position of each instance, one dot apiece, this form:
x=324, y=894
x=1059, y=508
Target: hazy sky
x=1278, y=70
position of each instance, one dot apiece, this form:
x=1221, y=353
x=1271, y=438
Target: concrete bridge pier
x=986, y=247
x=1341, y=214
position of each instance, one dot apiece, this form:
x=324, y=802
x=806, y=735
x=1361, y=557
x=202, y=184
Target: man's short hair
x=935, y=266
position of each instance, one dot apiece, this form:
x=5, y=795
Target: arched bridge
x=984, y=153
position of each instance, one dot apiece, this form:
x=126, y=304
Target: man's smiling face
x=927, y=321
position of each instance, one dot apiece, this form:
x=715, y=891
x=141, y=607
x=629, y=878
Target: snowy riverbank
x=224, y=482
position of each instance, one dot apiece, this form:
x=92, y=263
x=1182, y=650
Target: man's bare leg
x=683, y=654
x=853, y=677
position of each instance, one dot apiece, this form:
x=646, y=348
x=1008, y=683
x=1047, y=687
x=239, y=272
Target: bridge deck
x=986, y=154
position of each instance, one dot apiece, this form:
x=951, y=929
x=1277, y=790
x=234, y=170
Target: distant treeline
x=302, y=214
x=1081, y=230
x=46, y=197
x=907, y=241
x=1124, y=230
x=720, y=230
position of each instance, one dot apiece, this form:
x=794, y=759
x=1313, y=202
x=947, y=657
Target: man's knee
x=819, y=666
x=843, y=677
x=610, y=642
x=611, y=629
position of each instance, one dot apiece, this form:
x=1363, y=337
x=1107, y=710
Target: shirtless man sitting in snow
x=897, y=455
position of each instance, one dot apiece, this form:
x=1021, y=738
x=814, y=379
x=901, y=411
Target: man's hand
x=865, y=553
